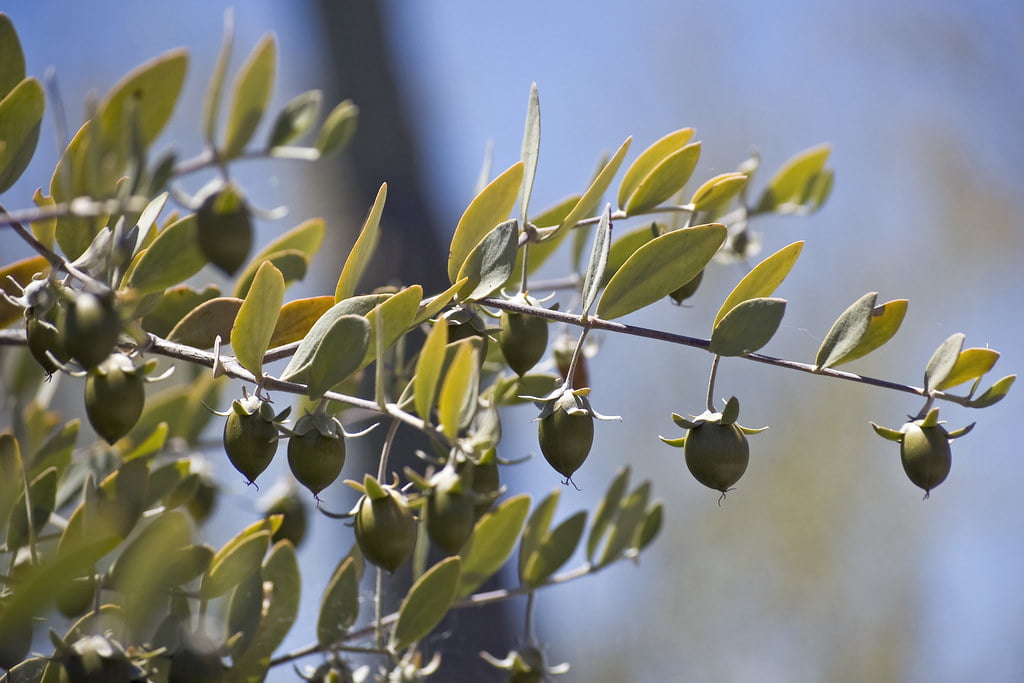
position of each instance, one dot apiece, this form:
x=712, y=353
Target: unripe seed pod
x=450, y=512
x=926, y=455
x=385, y=529
x=114, y=397
x=77, y=596
x=717, y=455
x=523, y=338
x=224, y=227
x=566, y=437
x=90, y=329
x=42, y=337
x=250, y=438
x=316, y=460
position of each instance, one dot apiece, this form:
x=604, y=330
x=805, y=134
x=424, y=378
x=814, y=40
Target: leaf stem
x=711, y=384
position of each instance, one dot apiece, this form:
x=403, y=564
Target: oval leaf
x=340, y=604
x=884, y=322
x=790, y=186
x=607, y=510
x=239, y=558
x=338, y=129
x=296, y=318
x=426, y=603
x=971, y=364
x=487, y=209
x=253, y=85
x=530, y=151
x=205, y=322
x=490, y=263
x=763, y=279
x=592, y=197
x=493, y=540
x=624, y=247
x=292, y=263
x=329, y=353
x=398, y=312
x=846, y=332
x=173, y=257
x=12, y=58
x=295, y=119
x=715, y=194
x=943, y=361
x=648, y=159
x=995, y=393
x=630, y=516
x=554, y=551
x=459, y=385
x=257, y=316
x=748, y=327
x=664, y=180
x=21, y=113
x=428, y=368
x=659, y=268
x=537, y=529
x=363, y=249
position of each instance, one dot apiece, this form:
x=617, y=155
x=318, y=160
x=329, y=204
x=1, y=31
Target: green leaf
x=146, y=95
x=431, y=307
x=493, y=540
x=659, y=268
x=43, y=500
x=359, y=258
x=339, y=607
x=201, y=326
x=239, y=558
x=624, y=247
x=253, y=85
x=487, y=209
x=257, y=316
x=428, y=368
x=215, y=91
x=623, y=531
x=607, y=511
x=173, y=257
x=598, y=261
x=648, y=160
x=554, y=550
x=304, y=239
x=536, y=529
x=792, y=184
x=715, y=194
x=338, y=129
x=332, y=351
x=426, y=603
x=530, y=151
x=398, y=312
x=56, y=451
x=970, y=364
x=279, y=607
x=490, y=263
x=748, y=327
x=846, y=332
x=942, y=362
x=664, y=180
x=292, y=263
x=885, y=320
x=21, y=114
x=296, y=118
x=458, y=391
x=995, y=393
x=762, y=280
x=11, y=475
x=297, y=317
x=592, y=197
x=12, y=58
x=648, y=530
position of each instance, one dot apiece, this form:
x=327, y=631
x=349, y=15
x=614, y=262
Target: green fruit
x=43, y=337
x=450, y=512
x=566, y=437
x=90, y=329
x=717, y=454
x=114, y=397
x=385, y=529
x=224, y=227
x=77, y=596
x=250, y=437
x=15, y=639
x=295, y=517
x=486, y=485
x=316, y=460
x=523, y=338
x=926, y=455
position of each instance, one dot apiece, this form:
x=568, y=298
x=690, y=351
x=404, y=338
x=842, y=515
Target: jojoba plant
x=111, y=532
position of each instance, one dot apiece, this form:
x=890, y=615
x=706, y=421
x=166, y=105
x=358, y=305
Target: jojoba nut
x=717, y=455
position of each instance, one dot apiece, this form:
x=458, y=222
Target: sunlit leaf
x=21, y=114
x=205, y=322
x=884, y=322
x=530, y=151
x=648, y=159
x=490, y=263
x=253, y=86
x=493, y=540
x=296, y=318
x=459, y=385
x=748, y=326
x=292, y=263
x=296, y=118
x=598, y=261
x=792, y=184
x=659, y=268
x=257, y=316
x=846, y=332
x=174, y=256
x=592, y=197
x=359, y=258
x=428, y=368
x=970, y=364
x=329, y=353
x=234, y=562
x=664, y=180
x=942, y=362
x=487, y=209
x=715, y=194
x=994, y=393
x=762, y=280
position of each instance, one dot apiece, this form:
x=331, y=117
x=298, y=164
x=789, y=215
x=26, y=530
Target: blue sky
x=922, y=103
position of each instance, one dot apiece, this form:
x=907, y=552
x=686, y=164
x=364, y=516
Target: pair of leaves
x=22, y=102
x=470, y=246
x=623, y=523
x=862, y=328
x=801, y=185
x=659, y=172
x=542, y=550
x=952, y=365
x=749, y=317
x=297, y=118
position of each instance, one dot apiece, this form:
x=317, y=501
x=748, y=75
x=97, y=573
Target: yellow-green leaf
x=659, y=268
x=292, y=263
x=297, y=318
x=970, y=364
x=201, y=326
x=592, y=197
x=846, y=332
x=459, y=385
x=295, y=119
x=664, y=180
x=253, y=86
x=490, y=207
x=11, y=475
x=338, y=128
x=554, y=550
x=493, y=540
x=762, y=280
x=44, y=230
x=426, y=603
x=428, y=368
x=363, y=249
x=12, y=58
x=884, y=322
x=304, y=238
x=21, y=114
x=792, y=184
x=257, y=317
x=330, y=352
x=716, y=193
x=490, y=263
x=398, y=312
x=430, y=308
x=941, y=364
x=215, y=91
x=173, y=256
x=648, y=159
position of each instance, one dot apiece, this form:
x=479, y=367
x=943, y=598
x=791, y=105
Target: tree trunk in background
x=410, y=251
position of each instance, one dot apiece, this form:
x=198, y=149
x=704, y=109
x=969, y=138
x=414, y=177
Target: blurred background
x=824, y=563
